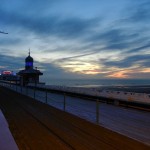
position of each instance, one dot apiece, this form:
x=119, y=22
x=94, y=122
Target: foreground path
x=36, y=126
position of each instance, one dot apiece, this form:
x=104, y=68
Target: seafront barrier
x=58, y=99
x=120, y=95
x=129, y=99
x=120, y=98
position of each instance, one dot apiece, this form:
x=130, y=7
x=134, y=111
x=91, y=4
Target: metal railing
x=86, y=107
x=63, y=101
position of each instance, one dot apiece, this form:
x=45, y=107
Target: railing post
x=64, y=102
x=16, y=85
x=116, y=102
x=34, y=92
x=26, y=90
x=46, y=96
x=97, y=111
x=21, y=88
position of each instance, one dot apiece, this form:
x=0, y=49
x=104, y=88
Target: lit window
x=29, y=64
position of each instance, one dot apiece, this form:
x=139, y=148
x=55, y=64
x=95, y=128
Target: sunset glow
x=121, y=74
x=105, y=39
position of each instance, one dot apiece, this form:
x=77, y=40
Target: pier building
x=29, y=74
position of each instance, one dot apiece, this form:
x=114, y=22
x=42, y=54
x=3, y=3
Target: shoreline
x=135, y=89
x=128, y=88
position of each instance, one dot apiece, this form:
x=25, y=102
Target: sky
x=95, y=39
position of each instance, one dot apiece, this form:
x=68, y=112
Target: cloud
x=140, y=48
x=57, y=72
x=69, y=27
x=73, y=57
x=10, y=41
x=140, y=13
x=11, y=63
x=28, y=6
x=118, y=38
x=72, y=40
x=138, y=60
x=50, y=70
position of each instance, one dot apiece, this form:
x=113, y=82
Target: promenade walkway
x=37, y=126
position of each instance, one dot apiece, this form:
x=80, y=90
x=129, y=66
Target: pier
x=35, y=125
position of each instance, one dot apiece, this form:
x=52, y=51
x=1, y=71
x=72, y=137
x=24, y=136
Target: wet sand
x=37, y=126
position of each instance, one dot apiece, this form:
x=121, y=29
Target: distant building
x=8, y=76
x=29, y=74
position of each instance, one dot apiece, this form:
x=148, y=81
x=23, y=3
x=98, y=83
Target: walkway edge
x=7, y=141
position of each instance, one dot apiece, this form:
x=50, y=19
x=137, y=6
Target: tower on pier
x=29, y=75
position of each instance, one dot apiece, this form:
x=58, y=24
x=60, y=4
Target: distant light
x=7, y=72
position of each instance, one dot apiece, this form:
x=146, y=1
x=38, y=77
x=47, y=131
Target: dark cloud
x=124, y=33
x=28, y=6
x=140, y=75
x=5, y=51
x=140, y=48
x=142, y=60
x=75, y=27
x=49, y=25
x=140, y=13
x=9, y=41
x=73, y=57
x=115, y=38
x=10, y=62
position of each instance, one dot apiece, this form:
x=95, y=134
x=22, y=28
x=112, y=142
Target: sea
x=97, y=82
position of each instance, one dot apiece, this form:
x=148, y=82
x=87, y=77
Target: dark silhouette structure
x=29, y=74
